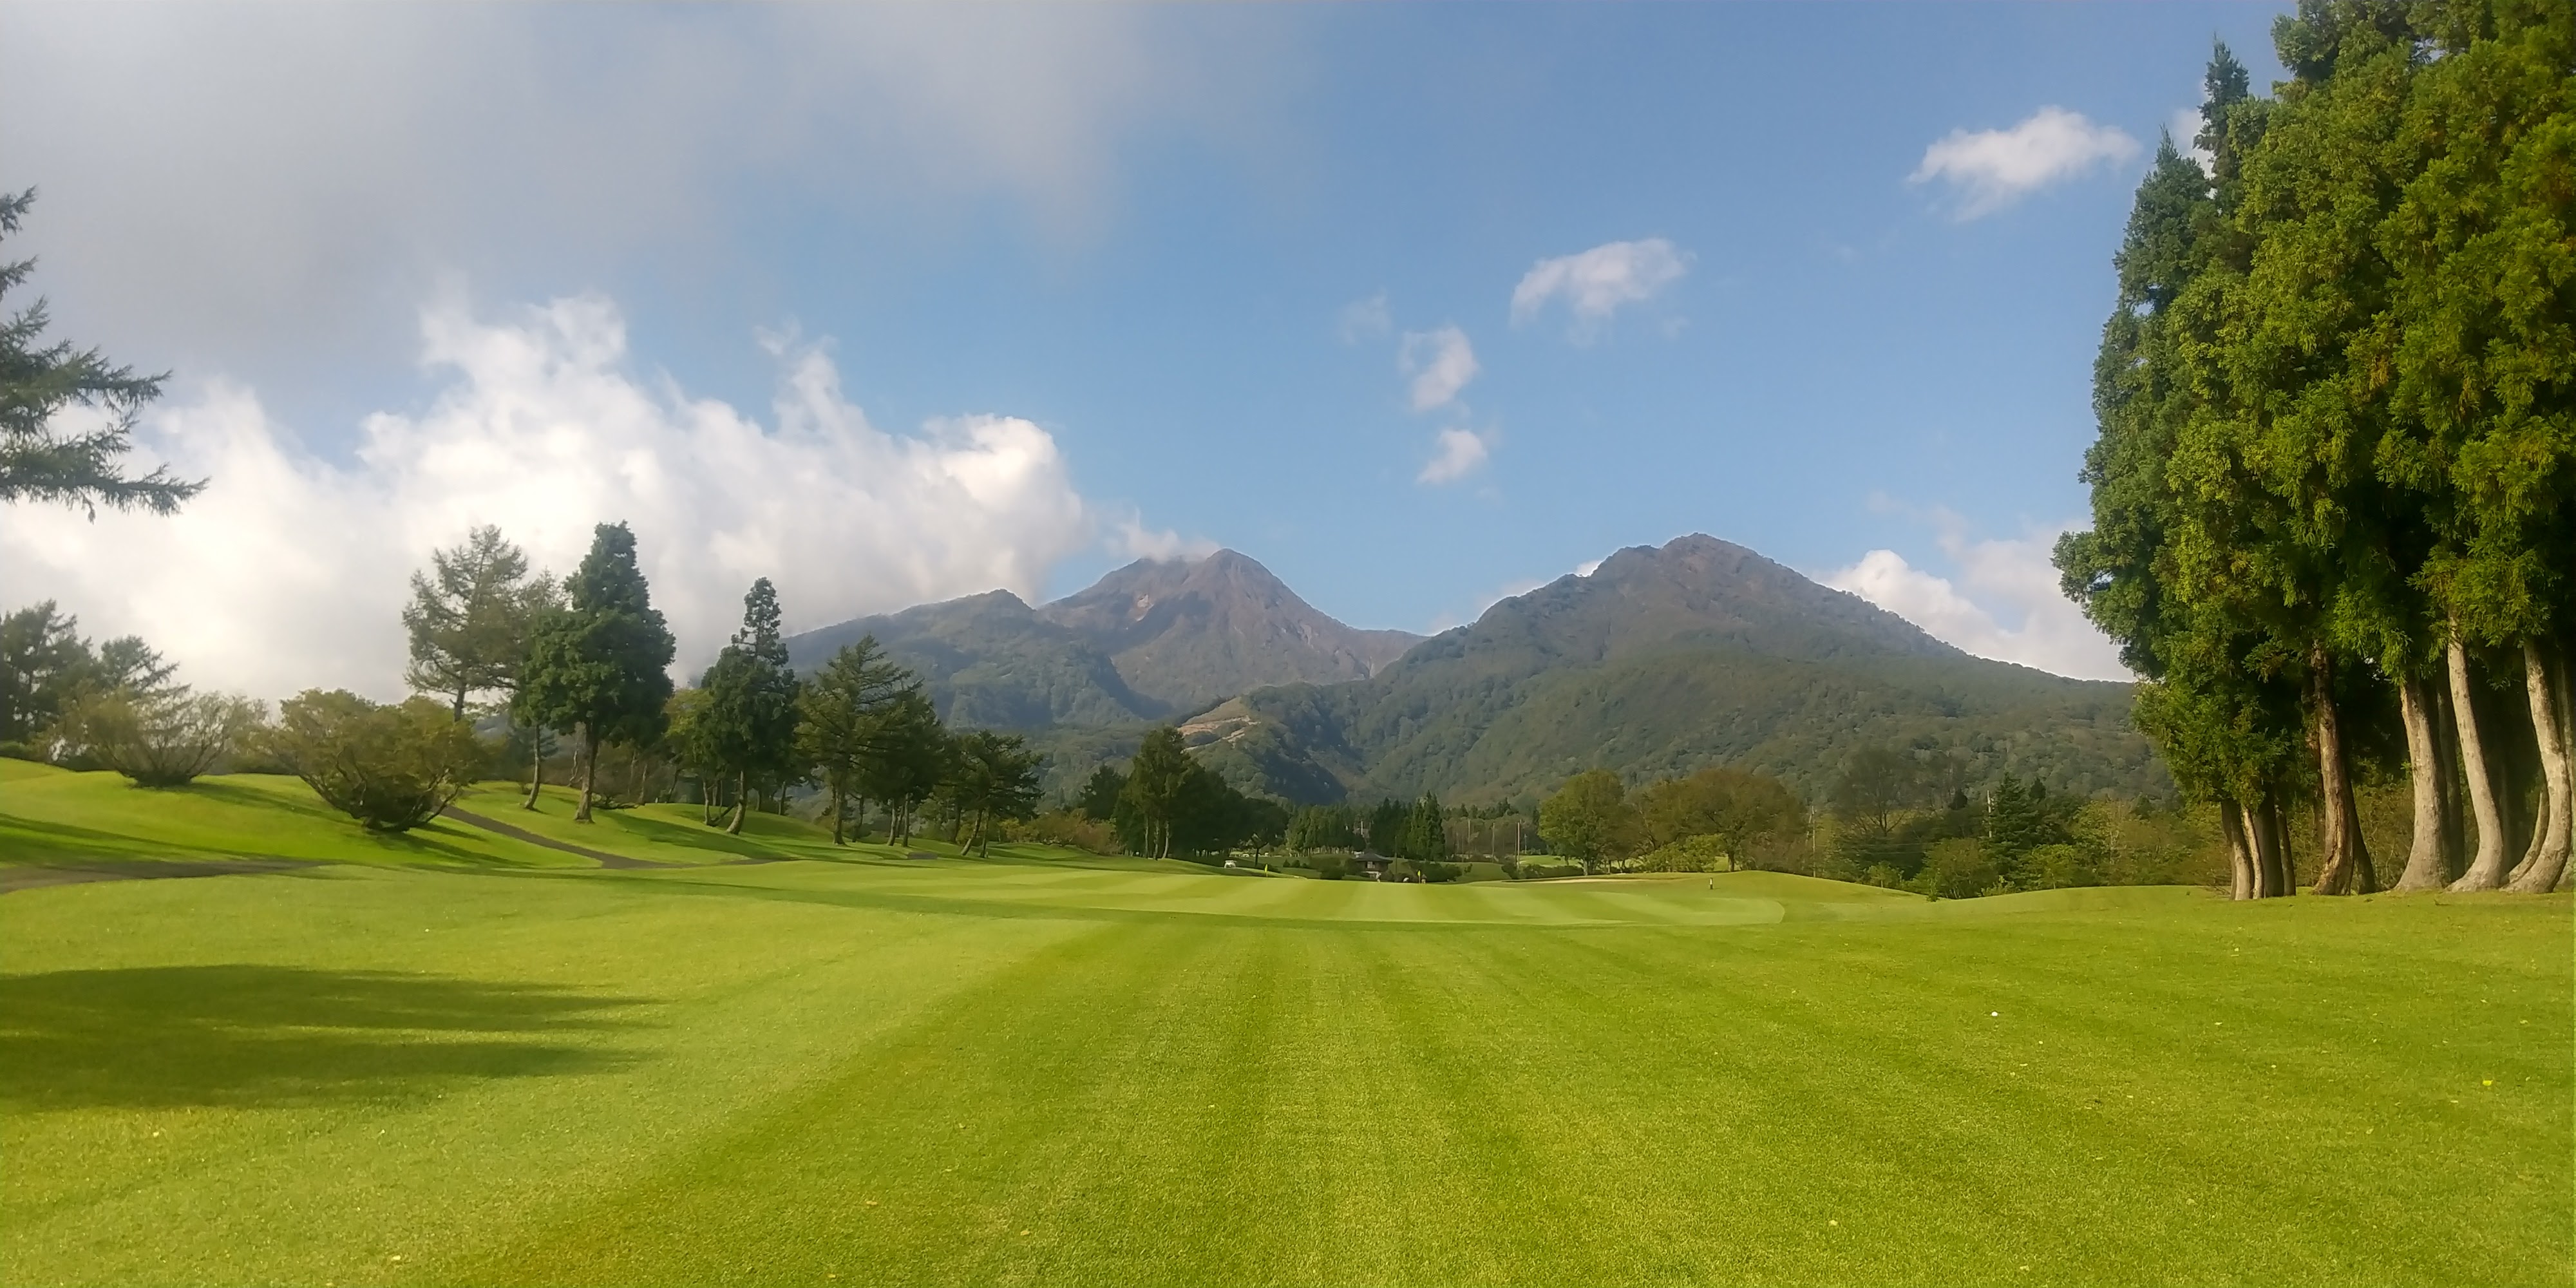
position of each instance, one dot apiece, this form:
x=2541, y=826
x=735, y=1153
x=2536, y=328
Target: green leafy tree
x=1589, y=819
x=470, y=617
x=751, y=701
x=1100, y=792
x=45, y=665
x=842, y=715
x=995, y=777
x=1744, y=810
x=689, y=736
x=37, y=381
x=1156, y=778
x=907, y=761
x=599, y=665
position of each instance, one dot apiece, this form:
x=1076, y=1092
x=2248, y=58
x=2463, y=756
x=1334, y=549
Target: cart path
x=517, y=833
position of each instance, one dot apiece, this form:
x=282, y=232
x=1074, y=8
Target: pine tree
x=1156, y=779
x=599, y=666
x=751, y=701
x=842, y=714
x=469, y=622
x=36, y=463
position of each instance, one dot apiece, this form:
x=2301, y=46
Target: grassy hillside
x=862, y=1068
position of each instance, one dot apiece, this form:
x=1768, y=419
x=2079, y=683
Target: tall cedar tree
x=842, y=717
x=1156, y=779
x=36, y=463
x=1426, y=834
x=469, y=618
x=751, y=702
x=906, y=765
x=2483, y=313
x=599, y=666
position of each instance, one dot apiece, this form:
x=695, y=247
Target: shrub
x=1065, y=828
x=1690, y=854
x=163, y=738
x=1956, y=869
x=1331, y=865
x=392, y=768
x=1434, y=870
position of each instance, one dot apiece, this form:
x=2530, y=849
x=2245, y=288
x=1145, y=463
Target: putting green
x=864, y=1068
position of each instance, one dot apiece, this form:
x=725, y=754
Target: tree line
x=2334, y=487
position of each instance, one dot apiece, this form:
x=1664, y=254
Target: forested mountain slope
x=1665, y=659
x=1152, y=640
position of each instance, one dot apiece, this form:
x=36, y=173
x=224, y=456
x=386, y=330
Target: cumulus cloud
x=1441, y=363
x=1455, y=455
x=2014, y=576
x=1991, y=169
x=290, y=569
x=1368, y=319
x=1598, y=282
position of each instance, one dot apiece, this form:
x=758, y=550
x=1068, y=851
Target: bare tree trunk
x=589, y=768
x=2268, y=837
x=2428, y=858
x=835, y=785
x=460, y=704
x=2240, y=859
x=741, y=803
x=2539, y=873
x=2343, y=864
x=536, y=765
x=2486, y=867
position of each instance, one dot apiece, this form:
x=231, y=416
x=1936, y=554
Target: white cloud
x=2184, y=126
x=1991, y=169
x=1130, y=537
x=1457, y=454
x=1368, y=319
x=1441, y=363
x=238, y=187
x=1597, y=282
x=2013, y=575
x=1587, y=567
x=289, y=571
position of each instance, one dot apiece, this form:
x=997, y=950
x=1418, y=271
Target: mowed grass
x=863, y=1068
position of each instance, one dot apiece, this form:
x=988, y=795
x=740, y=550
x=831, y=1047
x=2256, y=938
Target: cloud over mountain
x=290, y=570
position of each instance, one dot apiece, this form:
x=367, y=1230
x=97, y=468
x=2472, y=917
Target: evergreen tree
x=469, y=622
x=1426, y=834
x=842, y=716
x=599, y=665
x=45, y=665
x=1156, y=779
x=1099, y=799
x=36, y=463
x=995, y=777
x=905, y=762
x=1387, y=823
x=751, y=702
x=2014, y=828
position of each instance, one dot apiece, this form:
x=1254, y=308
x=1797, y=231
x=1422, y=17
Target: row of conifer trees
x=2334, y=491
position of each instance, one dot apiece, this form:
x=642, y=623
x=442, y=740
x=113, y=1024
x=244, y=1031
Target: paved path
x=517, y=833
x=34, y=876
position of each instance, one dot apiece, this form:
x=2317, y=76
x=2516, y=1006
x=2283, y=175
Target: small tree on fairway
x=1589, y=819
x=162, y=737
x=843, y=715
x=995, y=776
x=599, y=665
x=751, y=700
x=1155, y=781
x=36, y=464
x=470, y=616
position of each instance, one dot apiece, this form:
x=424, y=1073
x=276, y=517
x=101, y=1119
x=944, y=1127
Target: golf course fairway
x=491, y=1062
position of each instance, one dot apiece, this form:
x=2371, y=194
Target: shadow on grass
x=241, y=1035
x=26, y=838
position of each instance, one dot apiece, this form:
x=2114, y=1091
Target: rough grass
x=868, y=1068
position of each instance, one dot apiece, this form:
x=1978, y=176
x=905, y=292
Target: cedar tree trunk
x=2428, y=857
x=589, y=768
x=2344, y=865
x=2539, y=873
x=2240, y=860
x=741, y=803
x=2486, y=867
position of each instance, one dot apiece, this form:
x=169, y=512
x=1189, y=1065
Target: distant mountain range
x=1662, y=660
x=1153, y=640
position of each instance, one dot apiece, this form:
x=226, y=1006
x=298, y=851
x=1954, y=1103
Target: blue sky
x=1173, y=277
